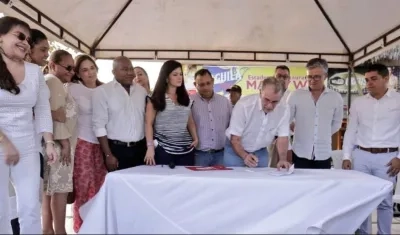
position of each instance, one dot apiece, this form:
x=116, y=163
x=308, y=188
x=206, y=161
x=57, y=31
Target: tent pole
x=351, y=67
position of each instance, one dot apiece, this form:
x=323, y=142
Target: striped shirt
x=212, y=119
x=170, y=128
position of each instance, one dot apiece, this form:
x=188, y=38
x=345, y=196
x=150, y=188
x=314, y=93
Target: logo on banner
x=224, y=77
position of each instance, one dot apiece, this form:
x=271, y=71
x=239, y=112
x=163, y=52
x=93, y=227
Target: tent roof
x=219, y=31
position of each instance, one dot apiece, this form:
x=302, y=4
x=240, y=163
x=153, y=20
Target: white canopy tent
x=345, y=32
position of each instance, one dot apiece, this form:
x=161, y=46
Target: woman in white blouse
x=89, y=168
x=22, y=89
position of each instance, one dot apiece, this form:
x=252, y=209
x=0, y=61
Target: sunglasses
x=22, y=37
x=69, y=68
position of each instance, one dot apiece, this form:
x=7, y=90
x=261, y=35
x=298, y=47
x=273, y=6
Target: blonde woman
x=58, y=177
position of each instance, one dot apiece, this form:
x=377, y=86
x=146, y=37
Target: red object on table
x=208, y=168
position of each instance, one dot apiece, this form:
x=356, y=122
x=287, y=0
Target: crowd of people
x=73, y=129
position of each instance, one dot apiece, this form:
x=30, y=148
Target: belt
x=379, y=150
x=212, y=150
x=126, y=144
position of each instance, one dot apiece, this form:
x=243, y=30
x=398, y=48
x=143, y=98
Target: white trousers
x=26, y=181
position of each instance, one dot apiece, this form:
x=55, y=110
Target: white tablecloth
x=147, y=199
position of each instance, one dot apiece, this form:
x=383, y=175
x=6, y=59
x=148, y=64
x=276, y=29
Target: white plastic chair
x=337, y=156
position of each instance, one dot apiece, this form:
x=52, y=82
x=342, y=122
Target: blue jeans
x=209, y=159
x=231, y=159
x=375, y=164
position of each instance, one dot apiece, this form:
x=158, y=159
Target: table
x=155, y=199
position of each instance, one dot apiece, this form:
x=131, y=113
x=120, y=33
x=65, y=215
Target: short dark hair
x=36, y=37
x=283, y=67
x=202, y=72
x=381, y=69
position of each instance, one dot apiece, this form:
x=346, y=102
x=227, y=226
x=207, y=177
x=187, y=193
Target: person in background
x=118, y=117
x=169, y=120
x=142, y=78
x=89, y=167
x=235, y=92
x=58, y=176
x=318, y=112
x=371, y=142
x=255, y=121
x=282, y=72
x=211, y=114
x=39, y=52
x=22, y=89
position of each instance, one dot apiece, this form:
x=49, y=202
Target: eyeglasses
x=315, y=77
x=284, y=77
x=23, y=37
x=69, y=68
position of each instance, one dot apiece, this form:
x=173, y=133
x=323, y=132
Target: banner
x=249, y=78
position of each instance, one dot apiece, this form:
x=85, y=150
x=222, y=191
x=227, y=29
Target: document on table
x=282, y=172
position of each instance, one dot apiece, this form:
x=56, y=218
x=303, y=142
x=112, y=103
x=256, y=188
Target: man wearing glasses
x=282, y=72
x=318, y=112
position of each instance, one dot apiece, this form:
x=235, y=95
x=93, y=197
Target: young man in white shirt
x=318, y=113
x=118, y=118
x=255, y=121
x=372, y=139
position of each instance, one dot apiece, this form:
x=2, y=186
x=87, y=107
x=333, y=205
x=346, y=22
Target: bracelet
x=50, y=142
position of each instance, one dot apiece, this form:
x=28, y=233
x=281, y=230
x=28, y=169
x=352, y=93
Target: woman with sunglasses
x=58, y=177
x=22, y=88
x=39, y=52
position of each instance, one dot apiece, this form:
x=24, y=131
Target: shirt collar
x=116, y=83
x=389, y=93
x=212, y=97
x=326, y=89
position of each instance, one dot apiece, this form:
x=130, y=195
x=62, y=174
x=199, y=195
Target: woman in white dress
x=22, y=91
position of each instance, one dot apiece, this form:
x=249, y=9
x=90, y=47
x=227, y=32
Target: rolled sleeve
x=43, y=121
x=237, y=122
x=284, y=125
x=100, y=112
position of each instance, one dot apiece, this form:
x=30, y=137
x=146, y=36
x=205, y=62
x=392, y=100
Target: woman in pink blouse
x=22, y=91
x=89, y=168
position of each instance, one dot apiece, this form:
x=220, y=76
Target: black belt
x=126, y=144
x=211, y=150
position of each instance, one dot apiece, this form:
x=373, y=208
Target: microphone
x=171, y=163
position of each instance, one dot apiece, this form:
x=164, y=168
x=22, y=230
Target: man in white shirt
x=372, y=139
x=255, y=121
x=282, y=72
x=318, y=112
x=118, y=118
